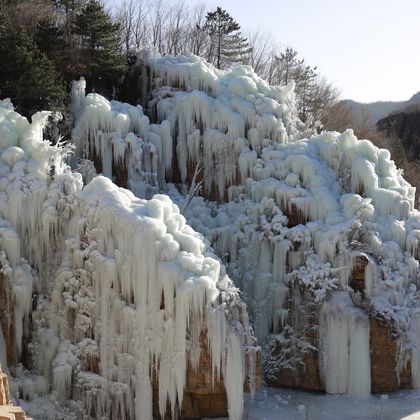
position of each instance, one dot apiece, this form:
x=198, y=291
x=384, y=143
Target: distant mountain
x=381, y=109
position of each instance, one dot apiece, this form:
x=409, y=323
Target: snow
x=337, y=221
x=271, y=403
x=133, y=245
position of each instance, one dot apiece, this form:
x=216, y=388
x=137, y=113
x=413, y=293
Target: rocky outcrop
x=204, y=394
x=357, y=281
x=384, y=350
x=7, y=410
x=297, y=351
x=302, y=369
x=6, y=317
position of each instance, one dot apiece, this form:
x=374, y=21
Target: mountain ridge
x=380, y=109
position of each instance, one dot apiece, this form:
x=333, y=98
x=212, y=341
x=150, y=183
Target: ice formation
x=120, y=138
x=223, y=118
x=297, y=212
x=124, y=286
x=293, y=214
x=111, y=292
x=299, y=224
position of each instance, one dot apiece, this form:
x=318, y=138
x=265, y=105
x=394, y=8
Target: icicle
x=344, y=340
x=233, y=375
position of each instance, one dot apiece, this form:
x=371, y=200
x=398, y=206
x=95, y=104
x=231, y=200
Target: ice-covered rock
x=107, y=294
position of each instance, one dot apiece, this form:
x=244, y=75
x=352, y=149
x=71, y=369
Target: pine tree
x=27, y=76
x=99, y=43
x=287, y=67
x=50, y=40
x=310, y=95
x=227, y=46
x=68, y=10
x=306, y=91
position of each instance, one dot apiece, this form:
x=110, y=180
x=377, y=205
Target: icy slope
x=299, y=216
x=105, y=295
x=224, y=125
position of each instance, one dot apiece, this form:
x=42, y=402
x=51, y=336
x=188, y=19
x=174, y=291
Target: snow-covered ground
x=291, y=404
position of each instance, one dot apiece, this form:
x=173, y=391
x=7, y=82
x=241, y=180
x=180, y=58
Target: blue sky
x=369, y=49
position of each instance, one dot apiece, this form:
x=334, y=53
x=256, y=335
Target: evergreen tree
x=67, y=11
x=99, y=42
x=312, y=98
x=50, y=40
x=226, y=43
x=306, y=91
x=287, y=66
x=27, y=76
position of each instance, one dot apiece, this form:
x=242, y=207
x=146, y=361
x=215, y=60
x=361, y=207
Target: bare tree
x=132, y=15
x=198, y=38
x=196, y=185
x=260, y=56
x=176, y=29
x=322, y=102
x=26, y=14
x=338, y=118
x=159, y=11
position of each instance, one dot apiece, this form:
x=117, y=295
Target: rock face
x=384, y=345
x=6, y=317
x=384, y=349
x=205, y=395
x=7, y=410
x=4, y=389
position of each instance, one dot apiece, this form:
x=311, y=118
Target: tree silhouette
x=226, y=42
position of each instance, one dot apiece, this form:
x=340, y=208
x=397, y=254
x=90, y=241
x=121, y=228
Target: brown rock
x=4, y=389
x=253, y=356
x=120, y=173
x=294, y=215
x=384, y=350
x=7, y=410
x=204, y=395
x=6, y=317
x=306, y=376
x=357, y=281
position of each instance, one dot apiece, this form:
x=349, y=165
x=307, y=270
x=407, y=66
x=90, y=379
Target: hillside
x=404, y=124
x=402, y=128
